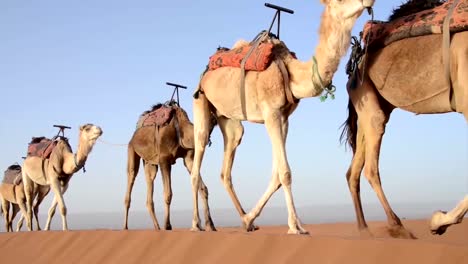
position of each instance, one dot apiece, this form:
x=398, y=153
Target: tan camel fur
x=441, y=220
x=13, y=195
x=265, y=102
x=57, y=171
x=407, y=74
x=161, y=147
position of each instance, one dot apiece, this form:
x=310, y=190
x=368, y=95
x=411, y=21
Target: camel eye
x=87, y=129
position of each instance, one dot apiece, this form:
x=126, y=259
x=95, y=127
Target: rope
x=111, y=144
x=329, y=89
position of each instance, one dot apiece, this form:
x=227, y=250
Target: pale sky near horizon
x=105, y=62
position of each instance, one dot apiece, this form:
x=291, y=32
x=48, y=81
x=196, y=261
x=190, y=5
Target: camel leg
x=166, y=179
x=373, y=120
x=201, y=127
x=188, y=162
x=42, y=192
x=232, y=131
x=440, y=221
x=6, y=214
x=52, y=208
x=277, y=127
x=353, y=177
x=58, y=191
x=150, y=175
x=133, y=165
x=28, y=191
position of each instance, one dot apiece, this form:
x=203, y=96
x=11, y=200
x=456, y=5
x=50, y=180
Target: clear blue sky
x=105, y=62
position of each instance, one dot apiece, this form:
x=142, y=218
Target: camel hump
x=41, y=147
x=12, y=175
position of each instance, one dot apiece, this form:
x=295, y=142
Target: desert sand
x=328, y=243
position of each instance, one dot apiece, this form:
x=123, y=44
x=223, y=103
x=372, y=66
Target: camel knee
x=285, y=178
x=378, y=121
x=149, y=205
x=127, y=202
x=63, y=210
x=168, y=198
x=204, y=191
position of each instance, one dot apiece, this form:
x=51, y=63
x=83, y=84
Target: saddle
x=158, y=117
x=426, y=22
x=13, y=175
x=41, y=147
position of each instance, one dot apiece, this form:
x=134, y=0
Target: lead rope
x=112, y=144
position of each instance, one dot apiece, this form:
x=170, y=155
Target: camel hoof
x=210, y=227
x=248, y=224
x=365, y=233
x=298, y=232
x=196, y=229
x=400, y=232
x=168, y=227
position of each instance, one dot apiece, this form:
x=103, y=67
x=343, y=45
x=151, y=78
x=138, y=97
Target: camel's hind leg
x=133, y=165
x=353, y=177
x=6, y=214
x=277, y=127
x=201, y=127
x=15, y=209
x=203, y=191
x=150, y=175
x=373, y=118
x=28, y=192
x=232, y=131
x=42, y=191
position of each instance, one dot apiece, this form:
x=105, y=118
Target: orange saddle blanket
x=259, y=59
x=159, y=117
x=422, y=23
x=41, y=147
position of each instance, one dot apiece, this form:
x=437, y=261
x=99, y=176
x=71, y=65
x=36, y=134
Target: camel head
x=89, y=133
x=344, y=10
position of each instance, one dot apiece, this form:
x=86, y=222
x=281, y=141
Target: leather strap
x=446, y=50
x=287, y=90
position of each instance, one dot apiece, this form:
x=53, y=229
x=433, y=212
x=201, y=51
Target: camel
x=57, y=170
x=441, y=220
x=266, y=102
x=13, y=195
x=406, y=74
x=161, y=147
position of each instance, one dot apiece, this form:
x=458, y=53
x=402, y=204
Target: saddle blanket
x=12, y=175
x=258, y=60
x=159, y=117
x=422, y=23
x=41, y=147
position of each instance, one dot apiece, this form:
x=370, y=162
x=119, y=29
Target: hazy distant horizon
x=228, y=217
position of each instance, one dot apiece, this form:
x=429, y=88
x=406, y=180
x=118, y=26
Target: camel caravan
x=416, y=61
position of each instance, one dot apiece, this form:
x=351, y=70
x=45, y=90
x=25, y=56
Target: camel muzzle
x=368, y=4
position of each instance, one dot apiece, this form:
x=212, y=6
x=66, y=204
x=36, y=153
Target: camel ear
x=324, y=1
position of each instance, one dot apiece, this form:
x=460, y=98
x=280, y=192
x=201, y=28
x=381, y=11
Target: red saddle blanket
x=41, y=147
x=259, y=59
x=12, y=175
x=159, y=117
x=422, y=23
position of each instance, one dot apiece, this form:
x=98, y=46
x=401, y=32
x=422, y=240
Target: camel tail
x=348, y=135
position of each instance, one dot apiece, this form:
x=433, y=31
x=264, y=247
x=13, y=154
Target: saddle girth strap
x=446, y=51
x=257, y=42
x=287, y=89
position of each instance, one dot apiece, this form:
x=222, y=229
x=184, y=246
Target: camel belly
x=410, y=75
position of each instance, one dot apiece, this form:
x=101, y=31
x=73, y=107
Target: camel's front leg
x=440, y=221
x=150, y=175
x=166, y=179
x=277, y=127
x=203, y=191
x=133, y=165
x=58, y=199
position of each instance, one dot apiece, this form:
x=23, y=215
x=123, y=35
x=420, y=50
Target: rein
x=79, y=166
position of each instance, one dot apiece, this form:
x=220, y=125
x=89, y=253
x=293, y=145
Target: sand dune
x=328, y=243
